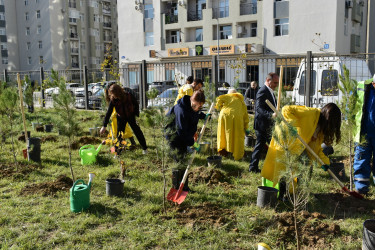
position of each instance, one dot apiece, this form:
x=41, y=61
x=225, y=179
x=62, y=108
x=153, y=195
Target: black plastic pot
x=250, y=141
x=28, y=133
x=339, y=170
x=33, y=145
x=368, y=240
x=214, y=161
x=48, y=128
x=267, y=196
x=114, y=187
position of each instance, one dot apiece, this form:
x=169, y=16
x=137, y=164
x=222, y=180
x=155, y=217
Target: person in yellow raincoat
x=314, y=125
x=233, y=123
x=188, y=89
x=113, y=132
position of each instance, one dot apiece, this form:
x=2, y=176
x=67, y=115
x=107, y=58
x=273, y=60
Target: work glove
x=196, y=146
x=325, y=167
x=208, y=115
x=247, y=131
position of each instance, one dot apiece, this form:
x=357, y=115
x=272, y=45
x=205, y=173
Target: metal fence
x=320, y=72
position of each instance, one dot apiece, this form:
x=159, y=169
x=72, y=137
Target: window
x=96, y=18
x=222, y=10
x=226, y=32
x=38, y=14
x=329, y=83
x=149, y=11
x=83, y=46
x=253, y=29
x=175, y=36
x=26, y=2
x=150, y=76
x=40, y=44
x=94, y=4
x=82, y=17
x=28, y=45
x=29, y=60
x=27, y=31
x=3, y=46
x=98, y=46
x=83, y=32
x=2, y=16
x=282, y=27
x=4, y=60
x=345, y=26
x=149, y=38
x=198, y=34
x=301, y=90
x=41, y=60
x=39, y=29
x=27, y=16
x=72, y=20
x=2, y=31
x=94, y=32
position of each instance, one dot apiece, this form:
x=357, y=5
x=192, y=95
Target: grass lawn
x=221, y=213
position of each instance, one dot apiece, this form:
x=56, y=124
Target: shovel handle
x=306, y=145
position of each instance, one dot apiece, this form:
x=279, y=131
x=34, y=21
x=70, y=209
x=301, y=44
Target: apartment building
x=195, y=30
x=60, y=34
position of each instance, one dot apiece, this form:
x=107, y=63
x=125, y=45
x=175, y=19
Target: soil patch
x=84, y=140
x=48, y=138
x=342, y=204
x=312, y=230
x=205, y=214
x=17, y=171
x=207, y=175
x=62, y=183
x=86, y=119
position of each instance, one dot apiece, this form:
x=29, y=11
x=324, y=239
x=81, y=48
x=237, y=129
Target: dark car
x=95, y=101
x=162, y=86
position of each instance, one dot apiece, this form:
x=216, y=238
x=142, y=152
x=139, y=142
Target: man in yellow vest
x=189, y=89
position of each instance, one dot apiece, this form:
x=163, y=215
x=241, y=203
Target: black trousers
x=260, y=148
x=121, y=124
x=178, y=152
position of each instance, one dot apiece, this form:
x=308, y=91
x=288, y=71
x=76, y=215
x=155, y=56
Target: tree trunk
x=13, y=150
x=70, y=160
x=164, y=180
x=350, y=165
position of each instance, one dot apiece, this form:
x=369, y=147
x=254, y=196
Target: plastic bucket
x=214, y=161
x=267, y=196
x=368, y=240
x=92, y=131
x=250, y=141
x=204, y=146
x=114, y=187
x=48, y=128
x=34, y=149
x=35, y=124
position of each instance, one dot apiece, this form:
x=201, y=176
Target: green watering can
x=80, y=195
x=88, y=154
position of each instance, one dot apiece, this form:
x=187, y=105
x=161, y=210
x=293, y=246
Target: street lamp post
x=218, y=62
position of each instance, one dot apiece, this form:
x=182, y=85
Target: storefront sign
x=152, y=53
x=198, y=50
x=223, y=49
x=178, y=52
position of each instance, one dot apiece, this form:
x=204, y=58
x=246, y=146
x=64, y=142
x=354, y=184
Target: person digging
x=181, y=131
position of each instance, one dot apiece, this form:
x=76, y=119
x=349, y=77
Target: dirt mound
x=39, y=129
x=86, y=119
x=84, y=140
x=206, y=175
x=207, y=213
x=344, y=204
x=62, y=183
x=312, y=230
x=16, y=171
x=21, y=138
x=48, y=138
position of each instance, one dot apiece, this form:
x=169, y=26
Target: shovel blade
x=353, y=193
x=179, y=199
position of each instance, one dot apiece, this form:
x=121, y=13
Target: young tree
x=67, y=115
x=349, y=107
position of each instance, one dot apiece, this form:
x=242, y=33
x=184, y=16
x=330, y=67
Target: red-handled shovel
x=178, y=196
x=346, y=190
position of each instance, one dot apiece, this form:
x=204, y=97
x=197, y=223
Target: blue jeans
x=362, y=167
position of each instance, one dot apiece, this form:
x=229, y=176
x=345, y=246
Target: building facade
x=196, y=30
x=61, y=34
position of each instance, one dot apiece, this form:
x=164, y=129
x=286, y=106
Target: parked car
x=162, y=86
x=69, y=86
x=91, y=89
x=165, y=99
x=95, y=101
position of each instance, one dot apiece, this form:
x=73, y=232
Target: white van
x=324, y=86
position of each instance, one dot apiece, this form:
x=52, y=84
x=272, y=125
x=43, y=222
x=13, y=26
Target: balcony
x=220, y=12
x=195, y=15
x=73, y=35
x=107, y=25
x=74, y=50
x=248, y=8
x=107, y=10
x=75, y=65
x=170, y=18
x=107, y=38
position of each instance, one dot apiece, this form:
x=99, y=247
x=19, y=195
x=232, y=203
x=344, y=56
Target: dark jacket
x=120, y=107
x=251, y=93
x=184, y=124
x=263, y=121
x=367, y=114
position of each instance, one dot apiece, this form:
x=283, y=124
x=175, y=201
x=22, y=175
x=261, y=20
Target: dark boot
x=177, y=176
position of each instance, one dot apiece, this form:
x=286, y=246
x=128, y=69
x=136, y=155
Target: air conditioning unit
x=63, y=10
x=239, y=29
x=138, y=7
x=181, y=2
x=349, y=4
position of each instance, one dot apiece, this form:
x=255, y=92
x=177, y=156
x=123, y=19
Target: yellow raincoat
x=186, y=89
x=128, y=131
x=233, y=121
x=305, y=120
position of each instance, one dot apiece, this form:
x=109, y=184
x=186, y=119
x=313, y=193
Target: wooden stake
x=23, y=112
x=280, y=87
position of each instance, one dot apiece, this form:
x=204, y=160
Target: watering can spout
x=91, y=177
x=98, y=149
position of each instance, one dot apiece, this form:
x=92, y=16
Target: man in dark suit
x=263, y=121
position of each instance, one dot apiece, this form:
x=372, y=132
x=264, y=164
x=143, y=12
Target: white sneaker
x=144, y=152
